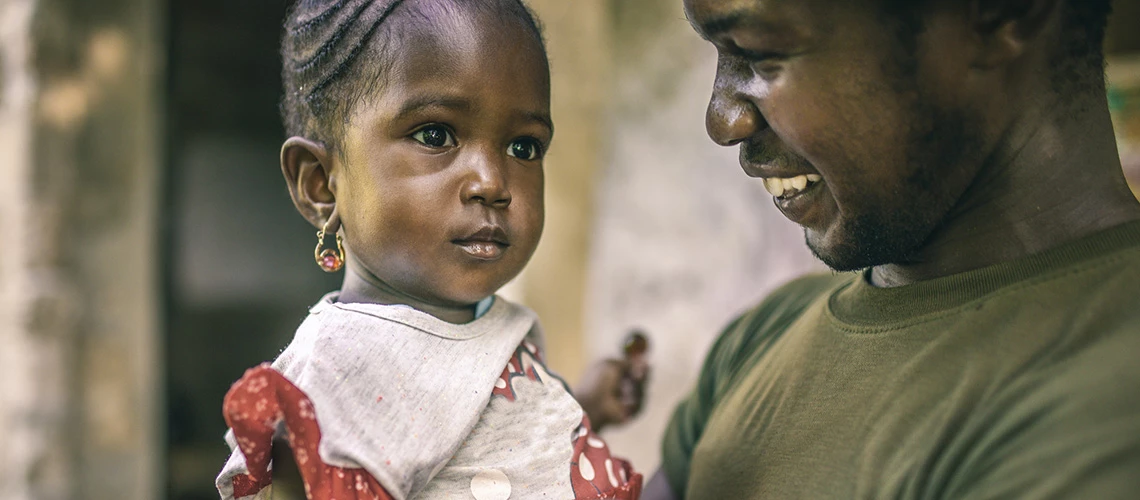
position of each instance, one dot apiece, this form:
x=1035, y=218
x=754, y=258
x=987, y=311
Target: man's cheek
x=814, y=129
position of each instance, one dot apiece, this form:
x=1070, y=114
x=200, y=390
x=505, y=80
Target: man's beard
x=894, y=233
x=938, y=142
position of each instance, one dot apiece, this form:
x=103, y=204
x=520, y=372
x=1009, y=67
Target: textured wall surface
x=683, y=240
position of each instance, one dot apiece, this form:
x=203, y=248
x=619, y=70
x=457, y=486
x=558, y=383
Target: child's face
x=440, y=185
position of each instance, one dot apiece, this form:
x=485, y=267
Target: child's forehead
x=448, y=42
x=447, y=24
x=476, y=66
x=338, y=54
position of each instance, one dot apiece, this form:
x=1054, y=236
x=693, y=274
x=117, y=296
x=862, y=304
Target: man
x=959, y=153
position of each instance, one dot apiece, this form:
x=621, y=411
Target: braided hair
x=336, y=52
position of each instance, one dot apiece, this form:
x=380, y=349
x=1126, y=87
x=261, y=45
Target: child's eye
x=525, y=149
x=435, y=136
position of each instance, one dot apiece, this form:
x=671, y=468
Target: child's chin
x=469, y=299
x=473, y=293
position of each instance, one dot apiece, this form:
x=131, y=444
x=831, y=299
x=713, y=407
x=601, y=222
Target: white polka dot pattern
x=586, y=468
x=490, y=484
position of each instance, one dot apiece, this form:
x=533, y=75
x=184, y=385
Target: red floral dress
x=263, y=398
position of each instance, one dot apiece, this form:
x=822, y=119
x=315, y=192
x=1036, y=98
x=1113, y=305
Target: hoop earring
x=329, y=260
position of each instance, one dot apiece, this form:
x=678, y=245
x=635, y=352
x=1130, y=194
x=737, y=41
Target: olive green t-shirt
x=1020, y=380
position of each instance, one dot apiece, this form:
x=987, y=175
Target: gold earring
x=329, y=260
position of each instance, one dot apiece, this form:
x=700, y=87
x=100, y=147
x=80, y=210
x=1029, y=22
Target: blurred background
x=152, y=253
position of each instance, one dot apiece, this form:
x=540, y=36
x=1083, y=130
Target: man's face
x=860, y=136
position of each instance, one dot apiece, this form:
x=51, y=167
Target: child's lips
x=483, y=250
x=489, y=242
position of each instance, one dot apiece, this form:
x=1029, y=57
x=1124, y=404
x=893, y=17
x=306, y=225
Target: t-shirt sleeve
x=743, y=339
x=688, y=421
x=1075, y=433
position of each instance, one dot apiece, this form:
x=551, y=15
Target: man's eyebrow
x=716, y=25
x=432, y=101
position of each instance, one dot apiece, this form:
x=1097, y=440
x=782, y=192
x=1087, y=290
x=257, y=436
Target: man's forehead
x=714, y=17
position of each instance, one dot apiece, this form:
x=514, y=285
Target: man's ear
x=307, y=166
x=1006, y=27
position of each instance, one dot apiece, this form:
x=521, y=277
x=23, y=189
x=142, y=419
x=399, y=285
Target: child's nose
x=486, y=182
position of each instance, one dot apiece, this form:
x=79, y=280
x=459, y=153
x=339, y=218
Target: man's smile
x=789, y=187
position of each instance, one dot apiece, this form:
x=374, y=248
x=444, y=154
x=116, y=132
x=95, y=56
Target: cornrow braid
x=321, y=41
x=321, y=49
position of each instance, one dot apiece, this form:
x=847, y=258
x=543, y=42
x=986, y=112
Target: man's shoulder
x=788, y=302
x=1098, y=373
x=766, y=322
x=803, y=290
x=1068, y=428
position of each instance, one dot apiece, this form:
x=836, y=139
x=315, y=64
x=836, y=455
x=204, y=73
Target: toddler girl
x=418, y=129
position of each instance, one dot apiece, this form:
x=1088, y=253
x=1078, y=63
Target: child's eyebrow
x=432, y=101
x=420, y=103
x=543, y=118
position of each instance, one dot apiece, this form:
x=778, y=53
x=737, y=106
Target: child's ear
x=307, y=166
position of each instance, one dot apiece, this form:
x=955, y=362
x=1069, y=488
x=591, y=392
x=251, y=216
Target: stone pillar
x=78, y=286
x=29, y=405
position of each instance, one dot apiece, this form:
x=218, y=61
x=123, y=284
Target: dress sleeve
x=253, y=408
x=235, y=466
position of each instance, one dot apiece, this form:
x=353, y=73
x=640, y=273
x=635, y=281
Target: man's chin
x=837, y=261
x=844, y=254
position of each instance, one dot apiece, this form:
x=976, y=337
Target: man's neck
x=1053, y=182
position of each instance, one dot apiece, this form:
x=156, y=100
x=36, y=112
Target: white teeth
x=774, y=187
x=791, y=186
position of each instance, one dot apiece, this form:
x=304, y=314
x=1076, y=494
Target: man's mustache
x=756, y=153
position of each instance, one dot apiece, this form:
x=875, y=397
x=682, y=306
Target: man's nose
x=731, y=116
x=486, y=180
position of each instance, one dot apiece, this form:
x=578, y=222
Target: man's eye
x=765, y=64
x=766, y=69
x=525, y=149
x=434, y=136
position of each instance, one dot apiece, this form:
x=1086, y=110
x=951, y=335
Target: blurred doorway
x=239, y=273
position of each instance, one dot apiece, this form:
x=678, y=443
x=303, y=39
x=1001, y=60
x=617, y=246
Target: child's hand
x=613, y=390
